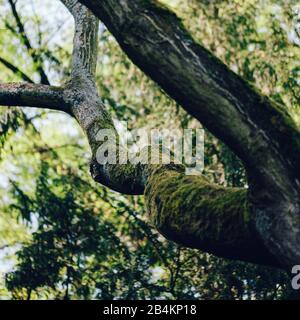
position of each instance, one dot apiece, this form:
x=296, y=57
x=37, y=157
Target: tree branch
x=33, y=95
x=85, y=42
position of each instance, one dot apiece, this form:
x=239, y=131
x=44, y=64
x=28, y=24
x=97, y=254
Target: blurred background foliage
x=64, y=237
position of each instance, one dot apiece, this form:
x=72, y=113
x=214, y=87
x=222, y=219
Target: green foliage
x=10, y=121
x=70, y=234
x=89, y=243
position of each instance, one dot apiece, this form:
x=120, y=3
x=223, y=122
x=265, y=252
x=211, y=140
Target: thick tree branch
x=87, y=107
x=198, y=214
x=85, y=43
x=33, y=95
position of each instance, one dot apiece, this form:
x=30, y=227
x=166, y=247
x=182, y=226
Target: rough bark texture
x=33, y=95
x=260, y=225
x=198, y=214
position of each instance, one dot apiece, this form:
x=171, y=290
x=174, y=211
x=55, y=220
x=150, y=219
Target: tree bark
x=33, y=95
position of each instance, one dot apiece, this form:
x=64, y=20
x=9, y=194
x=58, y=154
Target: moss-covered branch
x=198, y=214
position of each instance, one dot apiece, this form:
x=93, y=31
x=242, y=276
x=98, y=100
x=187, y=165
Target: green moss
x=191, y=210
